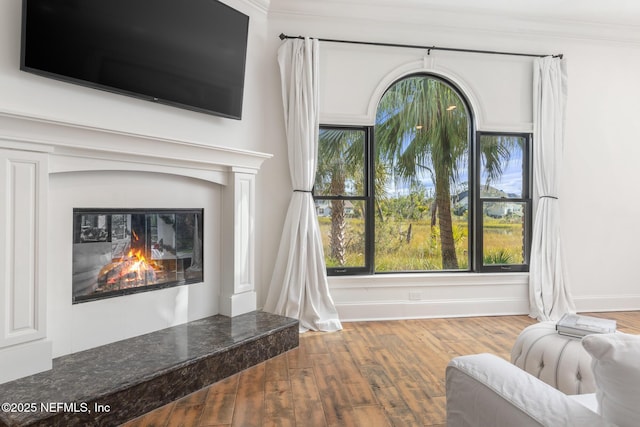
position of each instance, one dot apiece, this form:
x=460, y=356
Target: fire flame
x=139, y=266
x=133, y=270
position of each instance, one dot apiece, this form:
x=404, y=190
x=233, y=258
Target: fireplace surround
x=49, y=167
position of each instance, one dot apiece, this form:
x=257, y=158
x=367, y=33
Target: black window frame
x=368, y=197
x=475, y=208
x=479, y=201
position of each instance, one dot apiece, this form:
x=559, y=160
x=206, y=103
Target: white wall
x=599, y=209
x=600, y=212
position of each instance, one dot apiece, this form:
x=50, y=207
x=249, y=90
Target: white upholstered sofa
x=487, y=391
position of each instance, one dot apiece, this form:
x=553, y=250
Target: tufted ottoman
x=558, y=360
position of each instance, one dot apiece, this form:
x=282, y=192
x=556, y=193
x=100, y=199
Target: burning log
x=133, y=270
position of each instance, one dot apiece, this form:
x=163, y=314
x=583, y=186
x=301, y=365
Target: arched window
x=421, y=190
x=423, y=141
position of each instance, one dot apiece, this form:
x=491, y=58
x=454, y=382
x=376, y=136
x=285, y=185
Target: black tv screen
x=186, y=53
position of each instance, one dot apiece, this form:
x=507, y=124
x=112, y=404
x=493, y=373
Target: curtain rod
x=429, y=48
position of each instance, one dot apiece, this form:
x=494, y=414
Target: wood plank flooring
x=369, y=374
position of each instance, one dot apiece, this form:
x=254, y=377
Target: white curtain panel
x=549, y=294
x=299, y=286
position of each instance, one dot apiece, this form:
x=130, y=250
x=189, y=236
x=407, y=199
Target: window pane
x=503, y=235
x=342, y=227
x=408, y=238
x=422, y=175
x=501, y=169
x=340, y=169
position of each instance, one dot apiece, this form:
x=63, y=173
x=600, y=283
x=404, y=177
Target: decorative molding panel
x=244, y=232
x=23, y=246
x=238, y=288
x=23, y=262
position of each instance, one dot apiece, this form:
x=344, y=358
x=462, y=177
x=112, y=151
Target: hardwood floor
x=369, y=374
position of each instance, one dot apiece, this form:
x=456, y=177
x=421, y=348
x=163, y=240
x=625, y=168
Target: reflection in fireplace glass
x=117, y=251
x=94, y=228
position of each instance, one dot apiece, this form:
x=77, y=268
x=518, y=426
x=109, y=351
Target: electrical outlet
x=415, y=295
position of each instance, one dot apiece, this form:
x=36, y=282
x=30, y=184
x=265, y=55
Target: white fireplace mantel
x=70, y=145
x=32, y=149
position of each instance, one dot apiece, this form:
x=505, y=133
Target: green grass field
x=502, y=242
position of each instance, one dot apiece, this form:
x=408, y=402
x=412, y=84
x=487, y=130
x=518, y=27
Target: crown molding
x=261, y=5
x=590, y=23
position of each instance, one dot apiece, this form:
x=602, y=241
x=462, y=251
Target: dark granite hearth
x=133, y=376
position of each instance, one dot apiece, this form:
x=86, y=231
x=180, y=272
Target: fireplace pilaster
x=23, y=254
x=238, y=284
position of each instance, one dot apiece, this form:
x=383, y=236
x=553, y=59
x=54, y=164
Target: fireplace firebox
x=123, y=251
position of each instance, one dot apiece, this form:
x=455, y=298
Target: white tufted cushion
x=558, y=360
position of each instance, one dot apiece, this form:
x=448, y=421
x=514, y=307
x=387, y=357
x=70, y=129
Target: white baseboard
x=354, y=312
x=594, y=303
x=397, y=310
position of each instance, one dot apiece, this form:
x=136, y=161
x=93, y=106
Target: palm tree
x=340, y=161
x=422, y=126
x=495, y=152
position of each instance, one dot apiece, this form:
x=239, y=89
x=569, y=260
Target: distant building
x=460, y=203
x=502, y=209
x=323, y=208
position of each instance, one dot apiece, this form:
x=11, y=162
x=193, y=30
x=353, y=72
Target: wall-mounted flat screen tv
x=185, y=53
